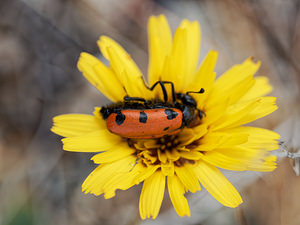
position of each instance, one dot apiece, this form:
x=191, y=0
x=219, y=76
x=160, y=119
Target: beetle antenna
x=196, y=92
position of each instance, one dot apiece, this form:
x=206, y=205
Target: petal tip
x=254, y=60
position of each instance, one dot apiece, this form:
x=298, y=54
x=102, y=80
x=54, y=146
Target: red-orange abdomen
x=148, y=123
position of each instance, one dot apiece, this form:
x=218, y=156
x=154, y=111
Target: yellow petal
x=236, y=74
x=135, y=175
x=101, y=77
x=233, y=95
x=230, y=84
x=245, y=112
x=258, y=137
x=148, y=155
x=116, y=153
x=217, y=185
x=71, y=125
x=97, y=112
x=260, y=88
x=167, y=169
x=162, y=156
x=222, y=140
x=160, y=43
x=192, y=155
x=188, y=178
x=256, y=132
x=187, y=136
x=97, y=141
x=241, y=158
x=106, y=173
x=264, y=106
x=269, y=146
x=145, y=173
x=215, y=113
x=181, y=65
x=152, y=195
x=193, y=39
x=268, y=164
x=240, y=89
x=204, y=78
x=122, y=181
x=174, y=68
x=234, y=158
x=176, y=192
x=150, y=144
x=173, y=155
x=124, y=67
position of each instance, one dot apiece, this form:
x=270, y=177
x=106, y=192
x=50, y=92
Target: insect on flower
x=140, y=118
x=175, y=136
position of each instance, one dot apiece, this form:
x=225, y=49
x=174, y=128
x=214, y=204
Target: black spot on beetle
x=166, y=128
x=120, y=118
x=171, y=114
x=143, y=117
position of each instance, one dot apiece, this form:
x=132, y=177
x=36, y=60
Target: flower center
x=166, y=152
x=167, y=143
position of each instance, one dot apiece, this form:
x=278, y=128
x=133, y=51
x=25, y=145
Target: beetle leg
x=201, y=113
x=173, y=89
x=164, y=89
x=127, y=98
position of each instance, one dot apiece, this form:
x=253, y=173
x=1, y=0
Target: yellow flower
x=189, y=158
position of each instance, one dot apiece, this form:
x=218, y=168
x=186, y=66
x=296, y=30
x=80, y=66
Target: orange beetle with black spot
x=143, y=119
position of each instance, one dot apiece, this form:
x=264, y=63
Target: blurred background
x=40, y=42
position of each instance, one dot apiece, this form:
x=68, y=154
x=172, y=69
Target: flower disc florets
x=165, y=151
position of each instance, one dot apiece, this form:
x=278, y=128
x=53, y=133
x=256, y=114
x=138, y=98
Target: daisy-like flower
x=182, y=161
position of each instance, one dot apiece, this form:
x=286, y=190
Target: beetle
x=144, y=119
